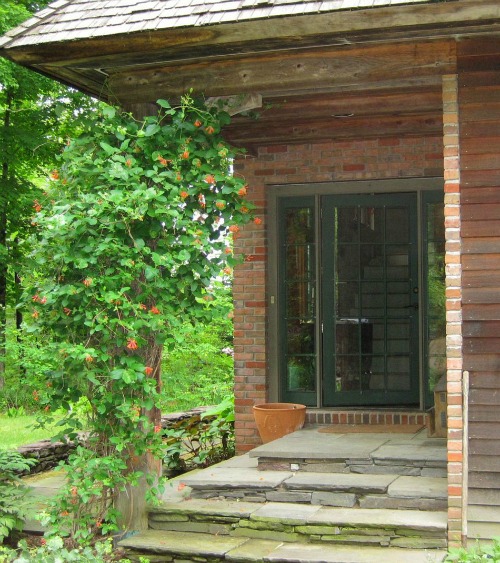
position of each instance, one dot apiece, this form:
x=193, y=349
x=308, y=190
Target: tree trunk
x=131, y=502
x=19, y=314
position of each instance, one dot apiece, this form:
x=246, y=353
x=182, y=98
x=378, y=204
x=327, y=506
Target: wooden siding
x=479, y=111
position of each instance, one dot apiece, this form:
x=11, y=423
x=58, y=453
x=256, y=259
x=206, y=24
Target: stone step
x=328, y=489
x=161, y=546
x=291, y=522
x=311, y=450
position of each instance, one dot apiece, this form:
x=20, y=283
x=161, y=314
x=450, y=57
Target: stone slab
x=198, y=527
x=252, y=550
x=289, y=496
x=265, y=534
x=286, y=513
x=311, y=444
x=340, y=482
x=417, y=520
x=418, y=487
x=419, y=543
x=55, y=479
x=207, y=508
x=323, y=466
x=227, y=478
x=326, y=498
x=382, y=469
x=313, y=553
x=380, y=501
x=238, y=461
x=182, y=543
x=393, y=452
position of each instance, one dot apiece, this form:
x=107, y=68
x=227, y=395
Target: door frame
x=277, y=191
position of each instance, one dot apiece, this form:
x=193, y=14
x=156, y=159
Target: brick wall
x=312, y=162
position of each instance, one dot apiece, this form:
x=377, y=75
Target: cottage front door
x=370, y=300
x=357, y=326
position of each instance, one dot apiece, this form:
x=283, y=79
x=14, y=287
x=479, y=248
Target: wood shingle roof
x=69, y=20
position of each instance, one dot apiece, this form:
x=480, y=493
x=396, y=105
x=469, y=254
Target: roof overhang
x=115, y=67
x=345, y=74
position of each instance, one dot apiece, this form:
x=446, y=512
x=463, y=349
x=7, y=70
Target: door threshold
x=366, y=416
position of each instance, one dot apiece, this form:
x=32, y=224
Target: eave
x=98, y=64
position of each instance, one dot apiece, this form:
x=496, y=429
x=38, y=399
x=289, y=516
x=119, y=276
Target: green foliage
x=131, y=234
x=480, y=551
x=25, y=374
x=83, y=508
x=13, y=506
x=36, y=116
x=54, y=551
x=199, y=369
x=200, y=441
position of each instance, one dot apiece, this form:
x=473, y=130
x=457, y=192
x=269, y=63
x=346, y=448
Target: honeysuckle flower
x=132, y=344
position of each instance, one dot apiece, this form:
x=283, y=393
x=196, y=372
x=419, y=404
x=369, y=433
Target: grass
x=18, y=431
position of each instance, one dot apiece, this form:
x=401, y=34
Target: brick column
x=249, y=296
x=453, y=310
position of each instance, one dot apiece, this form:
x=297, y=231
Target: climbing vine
x=131, y=233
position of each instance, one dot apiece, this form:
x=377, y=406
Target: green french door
x=370, y=299
x=350, y=269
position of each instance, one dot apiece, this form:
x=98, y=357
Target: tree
x=36, y=115
x=131, y=234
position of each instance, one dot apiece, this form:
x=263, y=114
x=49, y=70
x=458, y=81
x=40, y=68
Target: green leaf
x=151, y=130
x=108, y=148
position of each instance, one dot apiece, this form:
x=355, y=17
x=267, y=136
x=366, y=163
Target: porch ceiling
x=413, y=111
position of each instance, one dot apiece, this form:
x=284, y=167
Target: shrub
x=200, y=441
x=476, y=553
x=13, y=506
x=54, y=551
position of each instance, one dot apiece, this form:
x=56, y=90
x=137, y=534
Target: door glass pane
x=301, y=372
x=374, y=303
x=435, y=292
x=299, y=285
x=397, y=224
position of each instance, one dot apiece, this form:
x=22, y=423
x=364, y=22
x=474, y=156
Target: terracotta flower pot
x=275, y=420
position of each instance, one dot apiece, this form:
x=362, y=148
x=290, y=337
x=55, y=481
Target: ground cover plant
x=476, y=553
x=13, y=504
x=132, y=233
x=53, y=550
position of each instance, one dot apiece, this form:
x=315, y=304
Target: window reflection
x=300, y=280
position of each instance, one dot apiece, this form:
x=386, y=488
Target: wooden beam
x=301, y=70
x=300, y=130
x=366, y=103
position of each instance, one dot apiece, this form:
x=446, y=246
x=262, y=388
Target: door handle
x=412, y=306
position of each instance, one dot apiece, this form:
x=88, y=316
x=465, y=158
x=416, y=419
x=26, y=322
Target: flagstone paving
x=300, y=515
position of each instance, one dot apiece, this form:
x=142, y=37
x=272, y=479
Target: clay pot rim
x=279, y=407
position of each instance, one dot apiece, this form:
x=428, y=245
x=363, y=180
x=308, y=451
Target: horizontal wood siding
x=479, y=111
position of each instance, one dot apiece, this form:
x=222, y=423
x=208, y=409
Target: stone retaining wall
x=48, y=454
